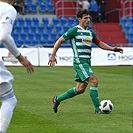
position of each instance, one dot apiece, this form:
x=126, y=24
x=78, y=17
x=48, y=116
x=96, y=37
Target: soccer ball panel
x=106, y=106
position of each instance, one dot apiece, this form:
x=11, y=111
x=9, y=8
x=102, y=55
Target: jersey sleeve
x=70, y=33
x=95, y=38
x=9, y=18
x=94, y=35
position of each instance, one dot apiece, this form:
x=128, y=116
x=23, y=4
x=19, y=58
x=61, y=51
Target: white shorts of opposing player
x=7, y=98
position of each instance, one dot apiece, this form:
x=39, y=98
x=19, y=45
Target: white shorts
x=5, y=75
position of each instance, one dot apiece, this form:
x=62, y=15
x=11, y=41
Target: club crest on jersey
x=87, y=41
x=9, y=20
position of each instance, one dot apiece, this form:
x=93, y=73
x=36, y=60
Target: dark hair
x=82, y=12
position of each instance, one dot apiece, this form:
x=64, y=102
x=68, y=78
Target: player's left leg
x=68, y=94
x=8, y=103
x=79, y=89
x=93, y=81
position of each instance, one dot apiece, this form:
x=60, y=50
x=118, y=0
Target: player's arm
x=105, y=46
x=69, y=34
x=6, y=38
x=52, y=59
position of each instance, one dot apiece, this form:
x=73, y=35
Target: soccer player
x=81, y=38
x=7, y=97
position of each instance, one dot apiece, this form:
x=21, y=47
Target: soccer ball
x=106, y=106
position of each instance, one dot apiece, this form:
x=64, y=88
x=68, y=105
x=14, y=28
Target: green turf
x=33, y=113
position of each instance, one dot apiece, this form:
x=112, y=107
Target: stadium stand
x=127, y=27
x=41, y=26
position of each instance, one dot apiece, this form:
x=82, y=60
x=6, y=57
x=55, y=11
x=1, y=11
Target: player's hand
x=52, y=61
x=117, y=49
x=25, y=63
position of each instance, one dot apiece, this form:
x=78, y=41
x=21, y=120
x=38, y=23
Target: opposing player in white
x=7, y=97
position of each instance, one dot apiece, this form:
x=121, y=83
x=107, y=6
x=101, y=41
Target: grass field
x=33, y=113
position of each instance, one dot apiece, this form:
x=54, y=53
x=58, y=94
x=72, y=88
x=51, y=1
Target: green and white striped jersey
x=80, y=40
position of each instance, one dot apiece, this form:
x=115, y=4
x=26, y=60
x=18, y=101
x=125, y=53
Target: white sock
x=6, y=113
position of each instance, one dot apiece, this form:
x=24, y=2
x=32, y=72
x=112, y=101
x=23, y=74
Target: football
x=106, y=106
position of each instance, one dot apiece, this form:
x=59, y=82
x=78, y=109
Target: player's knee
x=93, y=80
x=80, y=90
x=13, y=101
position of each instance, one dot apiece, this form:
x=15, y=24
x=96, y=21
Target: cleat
x=56, y=103
x=98, y=112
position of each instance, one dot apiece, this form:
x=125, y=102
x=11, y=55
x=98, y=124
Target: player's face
x=84, y=21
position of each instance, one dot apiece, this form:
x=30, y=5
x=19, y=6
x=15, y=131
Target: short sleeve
x=9, y=16
x=70, y=33
x=94, y=35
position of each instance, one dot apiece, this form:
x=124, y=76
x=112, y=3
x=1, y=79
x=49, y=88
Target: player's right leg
x=68, y=94
x=9, y=101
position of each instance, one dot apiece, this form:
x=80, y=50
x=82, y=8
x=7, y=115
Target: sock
x=68, y=94
x=94, y=97
x=6, y=113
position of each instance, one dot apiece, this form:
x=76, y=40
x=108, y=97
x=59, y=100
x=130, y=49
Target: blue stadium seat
x=40, y=28
x=23, y=36
x=53, y=36
x=20, y=21
x=45, y=36
x=26, y=28
x=42, y=7
x=131, y=41
x=58, y=27
x=60, y=33
x=30, y=36
x=76, y=21
x=70, y=20
x=126, y=28
x=130, y=19
x=65, y=27
x=47, y=1
x=28, y=1
x=63, y=21
x=27, y=41
x=27, y=7
x=50, y=7
x=15, y=23
x=45, y=21
x=35, y=21
x=19, y=43
x=33, y=29
x=38, y=35
x=34, y=7
x=28, y=21
x=34, y=42
x=123, y=21
x=49, y=28
x=130, y=34
x=17, y=29
x=39, y=2
x=1, y=45
x=55, y=21
x=49, y=41
x=42, y=41
x=15, y=36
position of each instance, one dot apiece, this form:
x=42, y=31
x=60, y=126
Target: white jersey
x=7, y=15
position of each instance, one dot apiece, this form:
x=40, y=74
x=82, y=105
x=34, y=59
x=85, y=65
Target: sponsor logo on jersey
x=87, y=41
x=111, y=56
